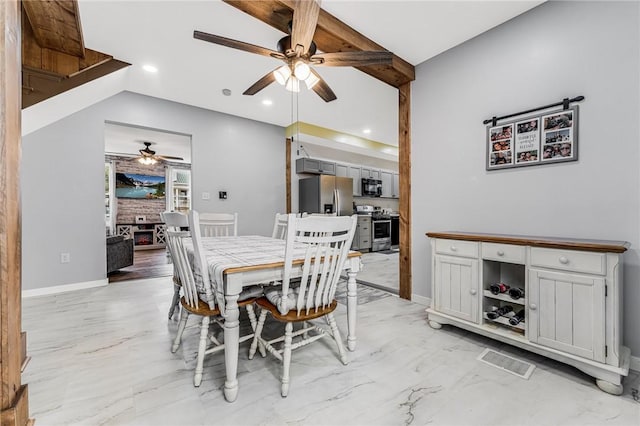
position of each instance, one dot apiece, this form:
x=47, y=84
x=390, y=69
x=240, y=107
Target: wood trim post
x=404, y=165
x=14, y=408
x=288, y=173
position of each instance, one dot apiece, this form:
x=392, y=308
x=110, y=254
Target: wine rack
x=508, y=276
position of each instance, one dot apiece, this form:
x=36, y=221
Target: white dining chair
x=175, y=222
x=327, y=241
x=219, y=224
x=192, y=297
x=280, y=226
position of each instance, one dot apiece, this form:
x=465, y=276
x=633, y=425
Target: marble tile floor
x=102, y=356
x=381, y=270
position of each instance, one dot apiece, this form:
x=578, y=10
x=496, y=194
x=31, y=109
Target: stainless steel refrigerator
x=326, y=194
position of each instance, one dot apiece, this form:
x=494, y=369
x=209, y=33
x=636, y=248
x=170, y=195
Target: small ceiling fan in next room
x=298, y=51
x=147, y=155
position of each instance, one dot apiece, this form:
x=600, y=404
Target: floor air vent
x=507, y=363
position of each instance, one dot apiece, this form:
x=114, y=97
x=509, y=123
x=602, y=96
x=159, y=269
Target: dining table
x=236, y=262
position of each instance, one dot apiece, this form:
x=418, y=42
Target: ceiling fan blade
x=235, y=44
x=322, y=89
x=168, y=157
x=123, y=154
x=353, y=59
x=305, y=19
x=260, y=84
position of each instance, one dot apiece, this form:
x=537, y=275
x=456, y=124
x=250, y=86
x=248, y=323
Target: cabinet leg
x=608, y=387
x=435, y=325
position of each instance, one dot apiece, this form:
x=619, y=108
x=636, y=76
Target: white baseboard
x=421, y=300
x=635, y=363
x=43, y=291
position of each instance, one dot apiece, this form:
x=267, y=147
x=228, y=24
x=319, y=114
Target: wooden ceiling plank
x=56, y=25
x=332, y=35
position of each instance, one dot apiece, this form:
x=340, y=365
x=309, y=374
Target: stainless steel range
x=380, y=231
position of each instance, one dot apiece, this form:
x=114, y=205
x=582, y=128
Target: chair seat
x=203, y=307
x=292, y=315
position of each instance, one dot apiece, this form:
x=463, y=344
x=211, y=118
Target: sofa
x=119, y=253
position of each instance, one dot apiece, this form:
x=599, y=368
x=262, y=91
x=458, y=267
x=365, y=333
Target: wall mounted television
x=136, y=186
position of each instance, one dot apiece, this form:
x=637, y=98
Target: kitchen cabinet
x=367, y=172
x=318, y=167
x=395, y=185
x=554, y=297
x=362, y=236
x=387, y=183
x=342, y=170
x=355, y=174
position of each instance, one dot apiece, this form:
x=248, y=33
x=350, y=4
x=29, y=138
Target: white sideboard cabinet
x=559, y=298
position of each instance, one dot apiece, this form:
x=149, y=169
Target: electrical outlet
x=206, y=196
x=222, y=195
x=65, y=257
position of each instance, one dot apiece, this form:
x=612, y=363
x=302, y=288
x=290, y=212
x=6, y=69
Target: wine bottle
x=498, y=288
x=517, y=318
x=499, y=312
x=516, y=292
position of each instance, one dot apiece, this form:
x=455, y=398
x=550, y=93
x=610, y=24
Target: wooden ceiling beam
x=54, y=58
x=332, y=35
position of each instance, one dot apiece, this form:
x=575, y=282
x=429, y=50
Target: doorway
x=147, y=172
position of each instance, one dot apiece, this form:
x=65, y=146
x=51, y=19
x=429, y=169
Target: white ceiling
x=194, y=72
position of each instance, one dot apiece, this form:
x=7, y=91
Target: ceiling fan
x=148, y=156
x=298, y=51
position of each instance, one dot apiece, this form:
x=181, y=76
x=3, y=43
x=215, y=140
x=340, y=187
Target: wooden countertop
x=525, y=240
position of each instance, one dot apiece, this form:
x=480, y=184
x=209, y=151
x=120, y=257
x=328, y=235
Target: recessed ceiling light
x=226, y=92
x=267, y=102
x=366, y=131
x=150, y=68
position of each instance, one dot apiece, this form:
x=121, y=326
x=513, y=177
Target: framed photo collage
x=546, y=138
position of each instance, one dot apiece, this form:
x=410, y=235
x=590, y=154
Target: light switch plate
x=206, y=196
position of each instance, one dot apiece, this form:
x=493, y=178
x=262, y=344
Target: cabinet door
x=395, y=185
x=342, y=170
x=327, y=168
x=386, y=178
x=456, y=285
x=354, y=173
x=566, y=312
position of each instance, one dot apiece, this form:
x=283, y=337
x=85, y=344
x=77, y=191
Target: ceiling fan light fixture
x=147, y=161
x=282, y=74
x=301, y=70
x=293, y=84
x=311, y=81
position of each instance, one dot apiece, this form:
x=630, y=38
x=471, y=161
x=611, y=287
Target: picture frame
x=139, y=186
x=543, y=138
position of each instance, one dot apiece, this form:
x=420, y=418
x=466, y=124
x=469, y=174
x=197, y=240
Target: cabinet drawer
x=503, y=253
x=457, y=248
x=569, y=260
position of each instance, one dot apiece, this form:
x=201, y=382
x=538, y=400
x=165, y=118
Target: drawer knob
x=500, y=253
x=533, y=306
x=563, y=260
x=473, y=291
x=454, y=248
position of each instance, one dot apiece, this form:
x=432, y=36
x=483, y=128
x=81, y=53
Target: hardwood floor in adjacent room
x=146, y=264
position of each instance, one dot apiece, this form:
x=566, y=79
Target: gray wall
x=63, y=180
x=557, y=50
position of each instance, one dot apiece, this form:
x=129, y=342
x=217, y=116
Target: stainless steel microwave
x=371, y=187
